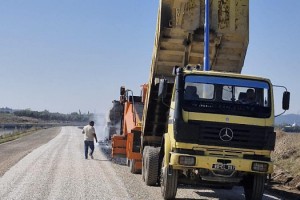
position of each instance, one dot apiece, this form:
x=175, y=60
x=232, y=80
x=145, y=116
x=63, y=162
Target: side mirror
x=286, y=100
x=162, y=90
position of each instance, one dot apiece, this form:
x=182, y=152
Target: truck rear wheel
x=151, y=165
x=168, y=181
x=254, y=187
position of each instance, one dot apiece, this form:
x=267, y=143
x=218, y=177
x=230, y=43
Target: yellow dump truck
x=212, y=126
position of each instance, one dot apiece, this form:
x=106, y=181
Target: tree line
x=48, y=116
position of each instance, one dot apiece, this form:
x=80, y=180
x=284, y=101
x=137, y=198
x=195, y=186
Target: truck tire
x=168, y=182
x=145, y=152
x=254, y=187
x=151, y=166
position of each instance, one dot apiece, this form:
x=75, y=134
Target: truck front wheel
x=254, y=186
x=168, y=181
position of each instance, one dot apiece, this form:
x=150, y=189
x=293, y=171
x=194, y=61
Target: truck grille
x=208, y=133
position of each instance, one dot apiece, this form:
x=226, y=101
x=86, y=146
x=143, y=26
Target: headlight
x=187, y=160
x=260, y=167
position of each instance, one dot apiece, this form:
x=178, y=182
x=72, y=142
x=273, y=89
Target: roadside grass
x=11, y=118
x=287, y=152
x=290, y=165
x=13, y=136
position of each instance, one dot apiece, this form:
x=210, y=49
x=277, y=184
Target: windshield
x=225, y=95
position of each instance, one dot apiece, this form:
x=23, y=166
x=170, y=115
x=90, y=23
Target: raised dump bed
x=179, y=41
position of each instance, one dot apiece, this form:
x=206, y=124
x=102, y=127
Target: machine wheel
x=151, y=166
x=133, y=170
x=168, y=181
x=127, y=162
x=145, y=152
x=254, y=187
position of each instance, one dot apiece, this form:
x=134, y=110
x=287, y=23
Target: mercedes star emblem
x=226, y=134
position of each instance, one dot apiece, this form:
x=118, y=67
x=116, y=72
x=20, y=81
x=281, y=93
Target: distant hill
x=288, y=119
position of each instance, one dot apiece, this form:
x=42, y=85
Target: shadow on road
x=102, y=160
x=290, y=195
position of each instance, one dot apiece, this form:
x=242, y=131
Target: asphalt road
x=58, y=170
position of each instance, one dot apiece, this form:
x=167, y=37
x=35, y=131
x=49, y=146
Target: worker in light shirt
x=89, y=135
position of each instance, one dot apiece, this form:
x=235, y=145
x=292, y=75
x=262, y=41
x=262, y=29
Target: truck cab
x=220, y=130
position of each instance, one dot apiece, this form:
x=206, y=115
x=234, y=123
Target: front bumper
x=210, y=162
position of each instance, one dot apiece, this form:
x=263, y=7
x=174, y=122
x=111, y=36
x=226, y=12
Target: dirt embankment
x=286, y=157
x=6, y=118
x=12, y=152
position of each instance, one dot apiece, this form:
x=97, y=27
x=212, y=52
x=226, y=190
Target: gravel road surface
x=58, y=170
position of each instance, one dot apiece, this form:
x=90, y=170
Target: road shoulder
x=13, y=151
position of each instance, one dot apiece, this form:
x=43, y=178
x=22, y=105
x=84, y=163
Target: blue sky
x=66, y=55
